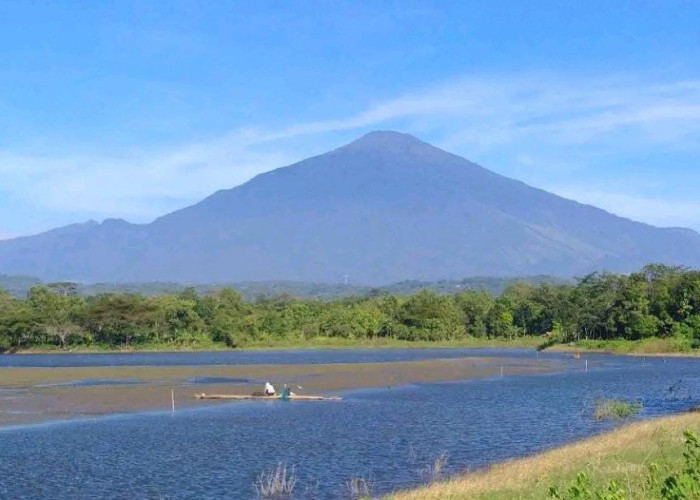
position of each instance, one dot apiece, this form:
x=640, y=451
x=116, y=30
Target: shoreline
x=612, y=347
x=320, y=344
x=624, y=455
x=635, y=348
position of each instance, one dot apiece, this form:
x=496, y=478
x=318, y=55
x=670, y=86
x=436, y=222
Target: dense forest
x=658, y=301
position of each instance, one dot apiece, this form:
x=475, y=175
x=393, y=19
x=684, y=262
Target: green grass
x=624, y=456
x=614, y=409
x=342, y=343
x=295, y=343
x=651, y=346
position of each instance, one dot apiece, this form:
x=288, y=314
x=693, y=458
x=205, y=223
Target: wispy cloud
x=511, y=116
x=136, y=186
x=654, y=210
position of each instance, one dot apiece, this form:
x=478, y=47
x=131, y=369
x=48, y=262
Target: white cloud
x=657, y=211
x=476, y=115
x=136, y=186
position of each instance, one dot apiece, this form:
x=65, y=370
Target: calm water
x=248, y=357
x=385, y=435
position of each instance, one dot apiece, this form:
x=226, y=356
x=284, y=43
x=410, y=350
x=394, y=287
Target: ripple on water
x=386, y=435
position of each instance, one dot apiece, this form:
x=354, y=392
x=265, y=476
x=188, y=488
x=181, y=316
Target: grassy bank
x=645, y=347
x=624, y=456
x=313, y=343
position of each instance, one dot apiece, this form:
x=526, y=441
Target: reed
x=360, y=487
x=276, y=483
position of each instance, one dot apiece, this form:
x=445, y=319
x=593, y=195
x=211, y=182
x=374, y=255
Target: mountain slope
x=384, y=208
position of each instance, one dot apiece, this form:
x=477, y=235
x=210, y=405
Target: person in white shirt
x=269, y=389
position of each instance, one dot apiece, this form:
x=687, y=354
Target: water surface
x=302, y=356
x=386, y=435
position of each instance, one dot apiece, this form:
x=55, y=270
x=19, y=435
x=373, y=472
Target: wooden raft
x=242, y=397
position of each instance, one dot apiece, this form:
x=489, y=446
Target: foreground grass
x=312, y=343
x=623, y=455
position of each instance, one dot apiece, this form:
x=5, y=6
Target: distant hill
x=384, y=208
x=19, y=286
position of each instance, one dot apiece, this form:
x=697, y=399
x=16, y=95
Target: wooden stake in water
x=501, y=370
x=586, y=365
x=172, y=398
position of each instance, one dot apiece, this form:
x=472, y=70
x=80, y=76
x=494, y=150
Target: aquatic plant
x=435, y=471
x=276, y=483
x=615, y=409
x=360, y=487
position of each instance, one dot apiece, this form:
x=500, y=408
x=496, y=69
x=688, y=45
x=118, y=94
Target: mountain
x=384, y=208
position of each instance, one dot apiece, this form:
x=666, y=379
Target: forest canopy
x=658, y=301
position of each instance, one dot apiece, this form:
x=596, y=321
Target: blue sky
x=133, y=109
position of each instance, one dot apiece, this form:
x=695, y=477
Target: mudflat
x=32, y=395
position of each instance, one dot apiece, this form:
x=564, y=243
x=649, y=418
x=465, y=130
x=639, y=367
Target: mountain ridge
x=384, y=208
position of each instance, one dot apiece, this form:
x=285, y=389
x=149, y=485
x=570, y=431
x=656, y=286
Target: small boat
x=243, y=397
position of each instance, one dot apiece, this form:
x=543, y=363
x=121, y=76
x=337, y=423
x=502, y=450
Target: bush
x=678, y=485
x=615, y=409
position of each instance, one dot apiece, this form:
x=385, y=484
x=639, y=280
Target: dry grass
x=276, y=483
x=623, y=455
x=434, y=472
x=360, y=487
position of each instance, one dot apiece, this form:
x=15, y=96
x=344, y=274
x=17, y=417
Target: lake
x=387, y=436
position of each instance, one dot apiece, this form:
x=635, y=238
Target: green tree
x=475, y=306
x=120, y=319
x=57, y=315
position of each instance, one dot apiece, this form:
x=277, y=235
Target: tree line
x=658, y=301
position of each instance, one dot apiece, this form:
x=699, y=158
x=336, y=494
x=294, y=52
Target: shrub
x=615, y=409
x=678, y=485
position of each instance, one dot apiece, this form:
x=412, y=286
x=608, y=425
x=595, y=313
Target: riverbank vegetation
x=615, y=409
x=652, y=459
x=658, y=304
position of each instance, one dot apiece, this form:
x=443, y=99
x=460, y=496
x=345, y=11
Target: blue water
x=247, y=357
x=385, y=435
